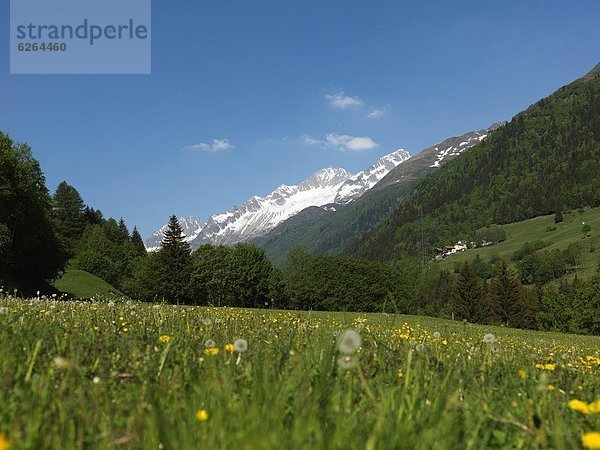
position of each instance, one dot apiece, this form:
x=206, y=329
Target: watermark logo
x=80, y=36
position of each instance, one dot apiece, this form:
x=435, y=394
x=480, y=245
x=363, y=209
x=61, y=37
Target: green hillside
x=545, y=160
x=324, y=231
x=555, y=236
x=81, y=284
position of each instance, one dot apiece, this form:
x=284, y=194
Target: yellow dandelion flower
x=578, y=405
x=551, y=387
x=165, y=338
x=202, y=415
x=229, y=347
x=591, y=440
x=213, y=351
x=445, y=342
x=5, y=444
x=595, y=406
x=522, y=374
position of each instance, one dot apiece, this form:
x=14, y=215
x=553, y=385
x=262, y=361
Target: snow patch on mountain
x=443, y=152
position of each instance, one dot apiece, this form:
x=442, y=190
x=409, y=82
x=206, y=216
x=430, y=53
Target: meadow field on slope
x=121, y=374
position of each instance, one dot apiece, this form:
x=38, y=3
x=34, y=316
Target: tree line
x=243, y=276
x=495, y=294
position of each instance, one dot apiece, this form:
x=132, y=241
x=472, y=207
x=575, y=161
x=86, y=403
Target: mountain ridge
x=258, y=215
x=329, y=231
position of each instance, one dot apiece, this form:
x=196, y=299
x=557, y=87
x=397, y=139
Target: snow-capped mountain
x=259, y=215
x=191, y=227
x=365, y=180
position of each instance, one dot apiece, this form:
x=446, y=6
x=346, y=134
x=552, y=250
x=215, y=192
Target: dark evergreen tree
x=444, y=287
x=138, y=243
x=507, y=296
x=92, y=216
x=68, y=214
x=123, y=231
x=468, y=298
x=112, y=230
x=174, y=257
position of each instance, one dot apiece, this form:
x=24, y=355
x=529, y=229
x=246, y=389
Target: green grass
x=97, y=375
x=81, y=284
x=567, y=232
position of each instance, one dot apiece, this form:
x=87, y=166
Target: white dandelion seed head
x=348, y=342
x=207, y=321
x=4, y=310
x=489, y=338
x=436, y=334
x=62, y=363
x=210, y=343
x=111, y=304
x=419, y=347
x=240, y=346
x=96, y=380
x=347, y=362
x=474, y=351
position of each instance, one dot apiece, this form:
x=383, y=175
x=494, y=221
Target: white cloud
x=215, y=146
x=377, y=113
x=346, y=142
x=309, y=140
x=342, y=101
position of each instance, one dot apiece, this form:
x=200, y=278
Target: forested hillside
x=545, y=160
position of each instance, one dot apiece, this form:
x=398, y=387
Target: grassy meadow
x=81, y=284
x=565, y=233
x=121, y=374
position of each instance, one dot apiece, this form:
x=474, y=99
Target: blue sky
x=240, y=90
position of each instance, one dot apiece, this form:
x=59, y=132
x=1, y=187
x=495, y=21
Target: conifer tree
x=507, y=296
x=468, y=296
x=67, y=212
x=123, y=231
x=138, y=243
x=92, y=216
x=175, y=263
x=112, y=230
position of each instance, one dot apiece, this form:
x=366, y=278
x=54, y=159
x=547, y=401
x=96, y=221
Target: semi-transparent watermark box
x=80, y=36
